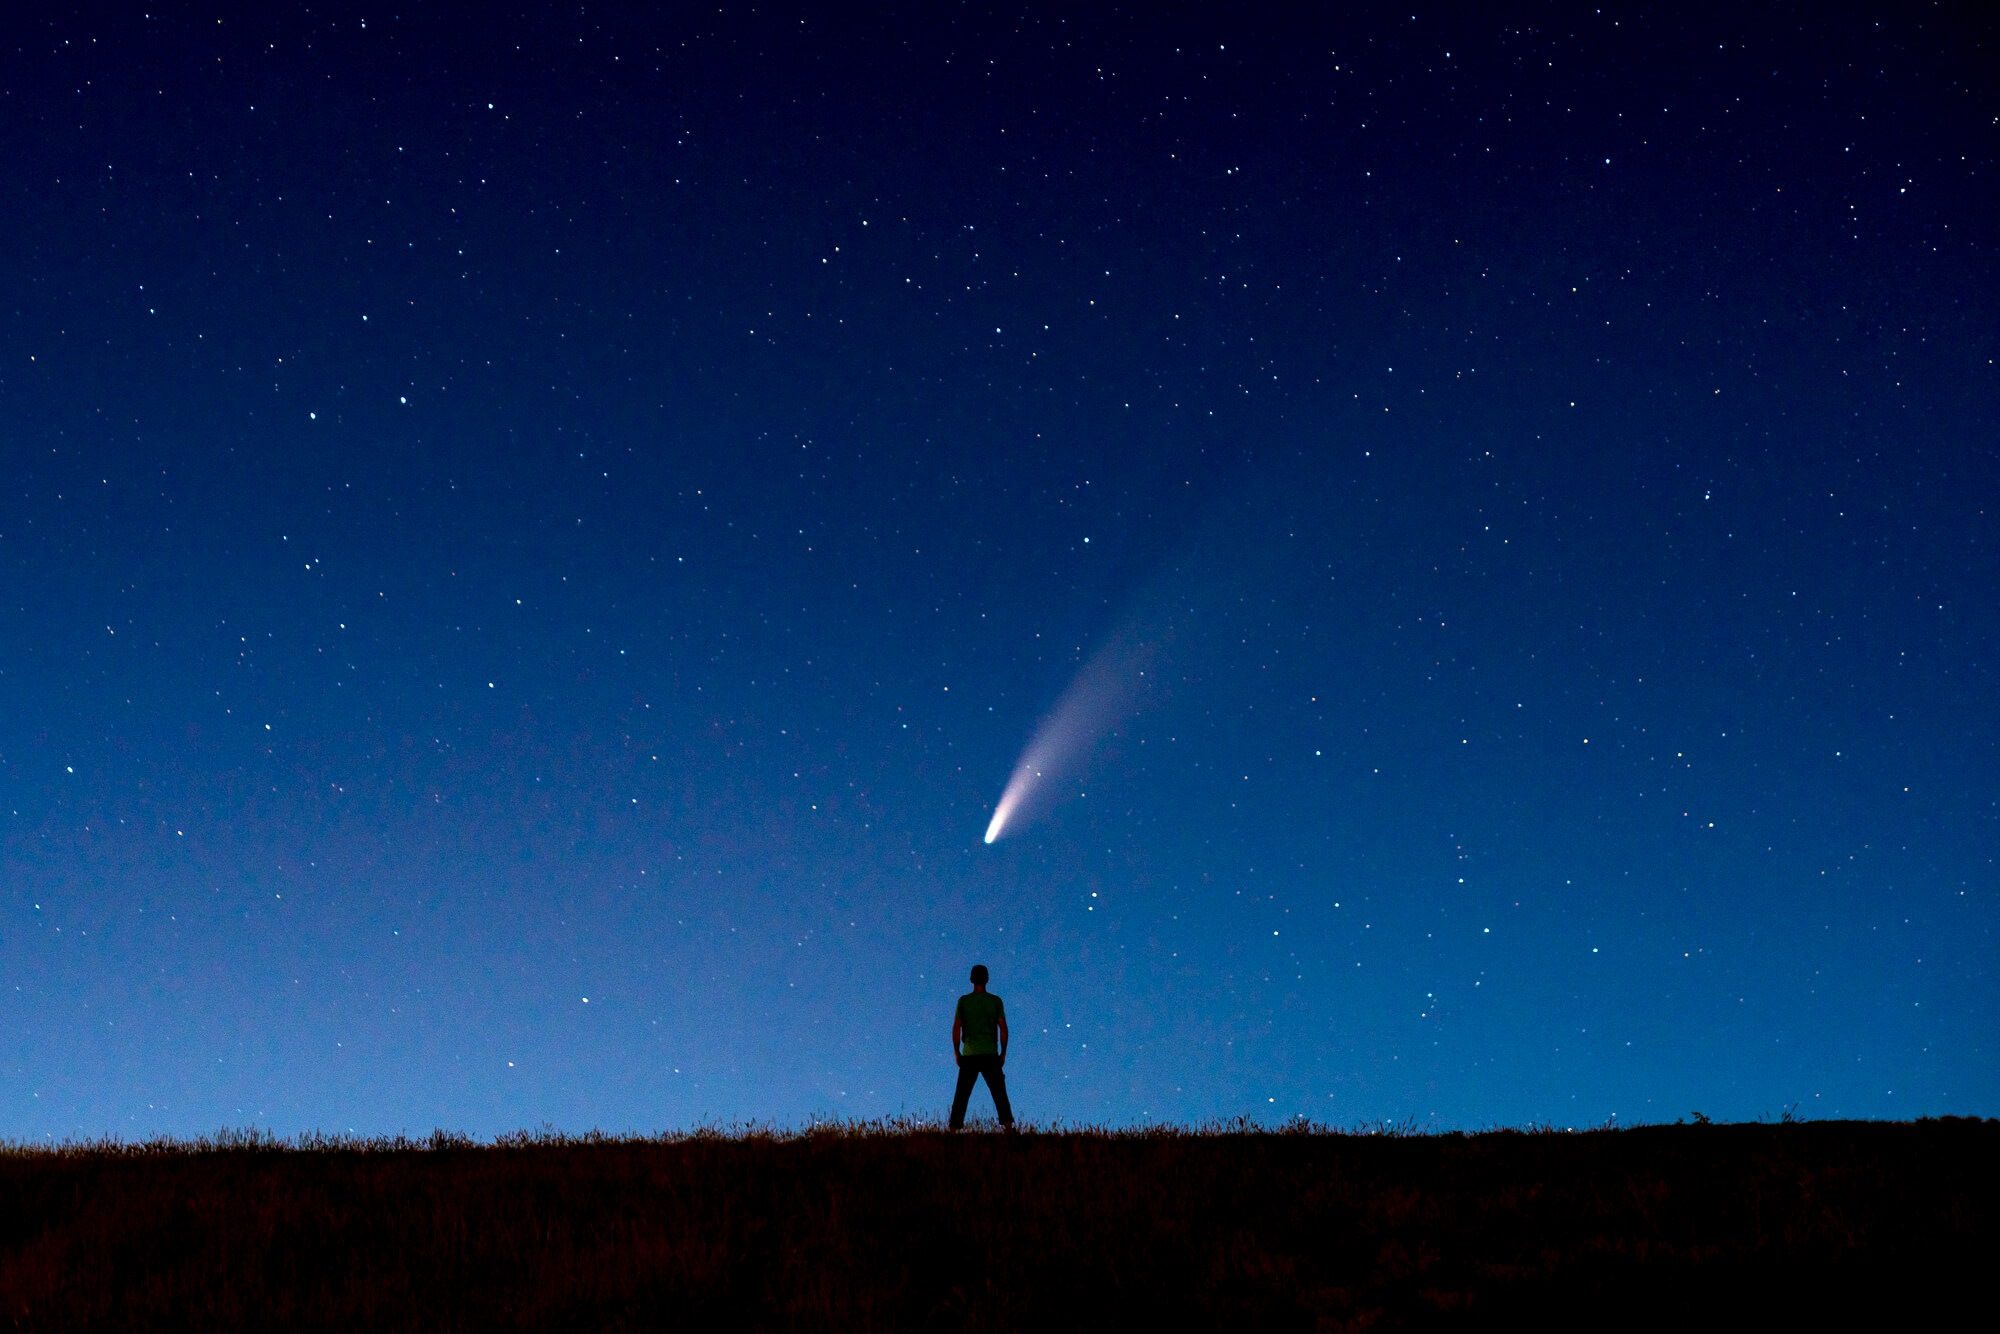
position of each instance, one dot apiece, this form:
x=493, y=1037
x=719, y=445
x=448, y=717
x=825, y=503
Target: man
x=979, y=1045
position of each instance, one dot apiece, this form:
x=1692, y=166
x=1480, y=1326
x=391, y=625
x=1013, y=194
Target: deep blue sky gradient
x=530, y=543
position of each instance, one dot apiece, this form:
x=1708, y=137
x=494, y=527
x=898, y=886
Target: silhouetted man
x=979, y=1045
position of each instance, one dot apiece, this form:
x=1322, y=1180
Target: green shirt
x=979, y=1014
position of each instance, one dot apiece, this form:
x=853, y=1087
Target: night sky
x=532, y=542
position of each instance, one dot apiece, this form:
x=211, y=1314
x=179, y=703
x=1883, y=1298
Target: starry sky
x=531, y=542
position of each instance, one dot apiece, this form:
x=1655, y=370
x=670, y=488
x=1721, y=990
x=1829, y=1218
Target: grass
x=902, y=1225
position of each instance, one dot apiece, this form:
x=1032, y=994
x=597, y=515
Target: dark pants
x=969, y=1069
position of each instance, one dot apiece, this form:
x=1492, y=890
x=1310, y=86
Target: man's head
x=979, y=975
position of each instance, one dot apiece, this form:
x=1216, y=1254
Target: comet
x=1107, y=690
x=1167, y=638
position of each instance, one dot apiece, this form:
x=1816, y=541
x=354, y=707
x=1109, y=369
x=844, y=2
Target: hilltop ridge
x=902, y=1226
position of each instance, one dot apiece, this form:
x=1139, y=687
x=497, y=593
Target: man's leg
x=996, y=1084
x=967, y=1072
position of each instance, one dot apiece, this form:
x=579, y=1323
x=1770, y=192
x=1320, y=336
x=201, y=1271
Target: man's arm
x=1003, y=1037
x=957, y=1033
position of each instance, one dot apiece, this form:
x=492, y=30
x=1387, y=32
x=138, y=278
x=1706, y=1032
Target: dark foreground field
x=1843, y=1225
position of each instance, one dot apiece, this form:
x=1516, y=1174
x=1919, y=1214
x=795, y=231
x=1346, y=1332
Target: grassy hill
x=1844, y=1224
